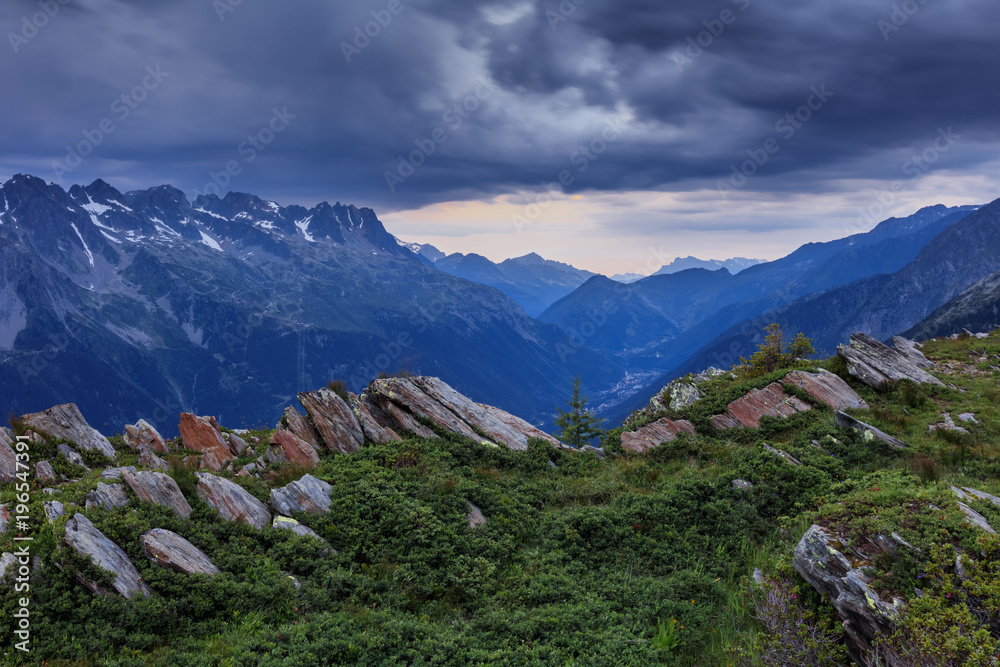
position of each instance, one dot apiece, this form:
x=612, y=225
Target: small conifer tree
x=774, y=354
x=578, y=426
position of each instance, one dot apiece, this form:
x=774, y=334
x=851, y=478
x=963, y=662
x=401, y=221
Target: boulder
x=741, y=485
x=65, y=421
x=8, y=462
x=771, y=401
x=475, y=517
x=202, y=434
x=172, y=551
x=8, y=561
x=655, y=434
x=300, y=426
x=4, y=518
x=334, y=421
x=876, y=364
x=975, y=518
x=232, y=501
x=911, y=350
x=71, y=455
x=144, y=435
x=53, y=510
x=867, y=431
x=86, y=540
x=828, y=388
x=947, y=424
x=158, y=488
x=293, y=449
x=44, y=472
x=237, y=445
x=309, y=495
x=684, y=392
x=371, y=418
x=286, y=523
x=115, y=473
x=108, y=496
x=147, y=459
x=864, y=615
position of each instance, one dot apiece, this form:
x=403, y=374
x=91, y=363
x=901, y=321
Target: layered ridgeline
x=144, y=304
x=827, y=511
x=662, y=320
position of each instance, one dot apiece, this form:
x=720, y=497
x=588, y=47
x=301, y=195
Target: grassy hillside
x=634, y=560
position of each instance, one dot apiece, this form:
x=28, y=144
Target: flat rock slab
x=876, y=364
x=309, y=494
x=287, y=523
x=65, y=421
x=232, y=501
x=156, y=487
x=83, y=537
x=911, y=350
x=108, y=496
x=172, y=551
x=828, y=388
x=293, y=449
x=8, y=462
x=655, y=434
x=867, y=431
x=142, y=435
x=202, y=434
x=771, y=401
x=334, y=420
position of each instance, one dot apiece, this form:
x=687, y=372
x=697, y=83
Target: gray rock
x=143, y=435
x=286, y=523
x=8, y=461
x=44, y=472
x=741, y=485
x=172, y=551
x=867, y=431
x=108, y=496
x=83, y=537
x=911, y=350
x=785, y=455
x=156, y=487
x=232, y=501
x=968, y=417
x=864, y=615
x=53, y=509
x=475, y=517
x=71, y=455
x=875, y=363
x=309, y=495
x=976, y=519
x=116, y=473
x=147, y=459
x=8, y=562
x=946, y=424
x=65, y=421
x=599, y=453
x=247, y=470
x=236, y=444
x=828, y=388
x=4, y=518
x=334, y=420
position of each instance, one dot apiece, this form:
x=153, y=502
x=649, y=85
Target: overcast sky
x=642, y=108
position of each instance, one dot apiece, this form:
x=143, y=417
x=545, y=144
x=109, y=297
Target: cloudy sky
x=614, y=134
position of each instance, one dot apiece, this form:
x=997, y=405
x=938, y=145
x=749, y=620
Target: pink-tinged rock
x=655, y=434
x=65, y=421
x=155, y=487
x=147, y=459
x=202, y=434
x=520, y=430
x=771, y=401
x=4, y=518
x=142, y=434
x=404, y=421
x=301, y=427
x=294, y=449
x=406, y=393
x=232, y=501
x=827, y=387
x=309, y=494
x=87, y=540
x=334, y=421
x=172, y=551
x=372, y=418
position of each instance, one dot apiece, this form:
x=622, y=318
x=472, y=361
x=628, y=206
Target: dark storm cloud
x=556, y=74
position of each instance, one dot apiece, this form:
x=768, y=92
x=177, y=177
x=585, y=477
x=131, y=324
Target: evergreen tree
x=578, y=426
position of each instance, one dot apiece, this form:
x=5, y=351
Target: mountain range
x=140, y=304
